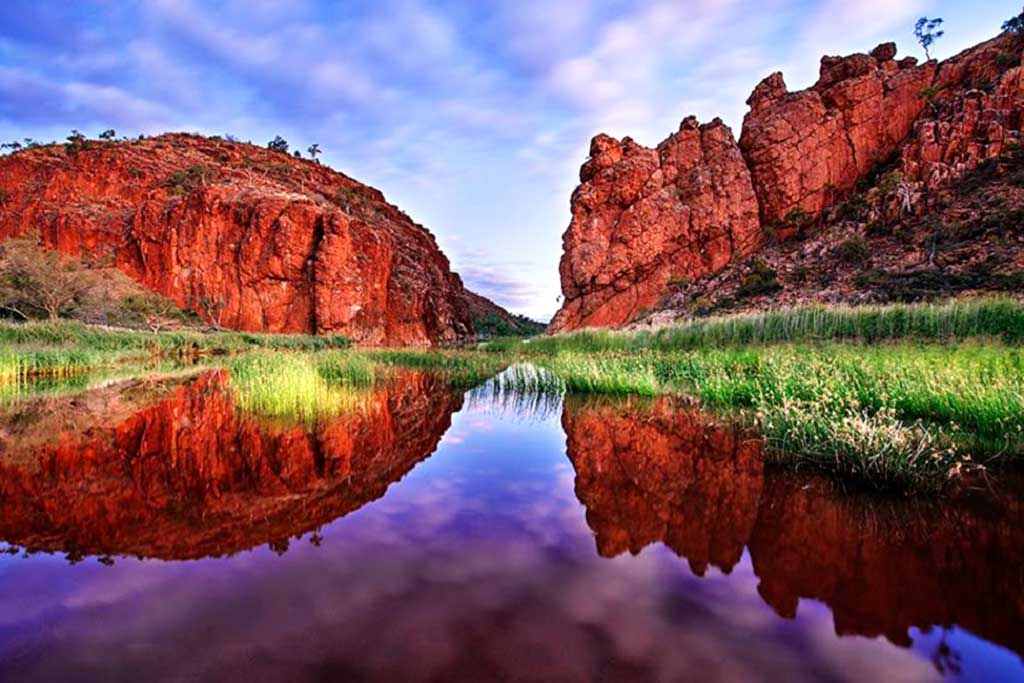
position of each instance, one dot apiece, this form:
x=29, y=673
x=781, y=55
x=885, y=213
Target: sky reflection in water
x=497, y=557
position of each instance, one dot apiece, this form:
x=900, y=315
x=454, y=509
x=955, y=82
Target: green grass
x=71, y=334
x=956, y=320
x=463, y=369
x=900, y=396
x=901, y=416
x=299, y=386
x=62, y=348
x=21, y=364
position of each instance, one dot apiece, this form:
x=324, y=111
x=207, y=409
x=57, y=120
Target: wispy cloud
x=474, y=117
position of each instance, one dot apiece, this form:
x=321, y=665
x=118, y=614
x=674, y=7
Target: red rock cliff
x=805, y=149
x=257, y=239
x=643, y=219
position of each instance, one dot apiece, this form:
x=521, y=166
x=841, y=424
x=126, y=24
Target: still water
x=154, y=532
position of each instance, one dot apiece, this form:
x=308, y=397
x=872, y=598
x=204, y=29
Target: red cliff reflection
x=174, y=471
x=662, y=473
x=656, y=472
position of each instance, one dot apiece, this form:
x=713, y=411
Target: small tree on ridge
x=924, y=31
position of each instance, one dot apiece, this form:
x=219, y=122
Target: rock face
x=805, y=149
x=645, y=222
x=975, y=114
x=178, y=472
x=250, y=238
x=643, y=217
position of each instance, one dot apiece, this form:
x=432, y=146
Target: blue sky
x=473, y=116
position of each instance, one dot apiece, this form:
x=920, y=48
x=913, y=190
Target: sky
x=473, y=116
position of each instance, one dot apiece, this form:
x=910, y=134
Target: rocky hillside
x=886, y=180
x=491, y=320
x=249, y=238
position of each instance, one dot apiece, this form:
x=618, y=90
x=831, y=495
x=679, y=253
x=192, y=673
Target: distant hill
x=491, y=320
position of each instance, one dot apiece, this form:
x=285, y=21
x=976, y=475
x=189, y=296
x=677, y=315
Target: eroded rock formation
x=975, y=113
x=175, y=471
x=250, y=238
x=808, y=148
x=646, y=223
x=643, y=217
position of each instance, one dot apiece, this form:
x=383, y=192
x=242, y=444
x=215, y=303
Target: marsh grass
x=461, y=369
x=299, y=386
x=71, y=334
x=63, y=348
x=903, y=416
x=999, y=318
x=521, y=391
x=19, y=365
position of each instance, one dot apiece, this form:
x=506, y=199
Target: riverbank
x=908, y=397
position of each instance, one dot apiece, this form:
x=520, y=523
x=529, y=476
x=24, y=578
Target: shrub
x=852, y=250
x=761, y=280
x=185, y=180
x=890, y=182
x=856, y=208
x=76, y=142
x=278, y=144
x=36, y=282
x=1015, y=24
x=1006, y=60
x=153, y=310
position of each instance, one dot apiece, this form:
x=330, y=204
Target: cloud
x=474, y=117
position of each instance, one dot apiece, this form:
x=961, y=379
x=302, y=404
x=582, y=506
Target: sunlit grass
x=22, y=364
x=908, y=416
x=298, y=386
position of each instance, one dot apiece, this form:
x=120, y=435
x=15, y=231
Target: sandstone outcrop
x=906, y=132
x=975, y=113
x=250, y=238
x=807, y=149
x=643, y=217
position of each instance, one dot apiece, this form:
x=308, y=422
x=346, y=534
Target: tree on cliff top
x=924, y=31
x=1015, y=24
x=278, y=144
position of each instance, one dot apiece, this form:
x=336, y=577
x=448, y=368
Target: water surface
x=156, y=532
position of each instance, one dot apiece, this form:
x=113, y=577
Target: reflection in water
x=175, y=471
x=480, y=564
x=655, y=472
